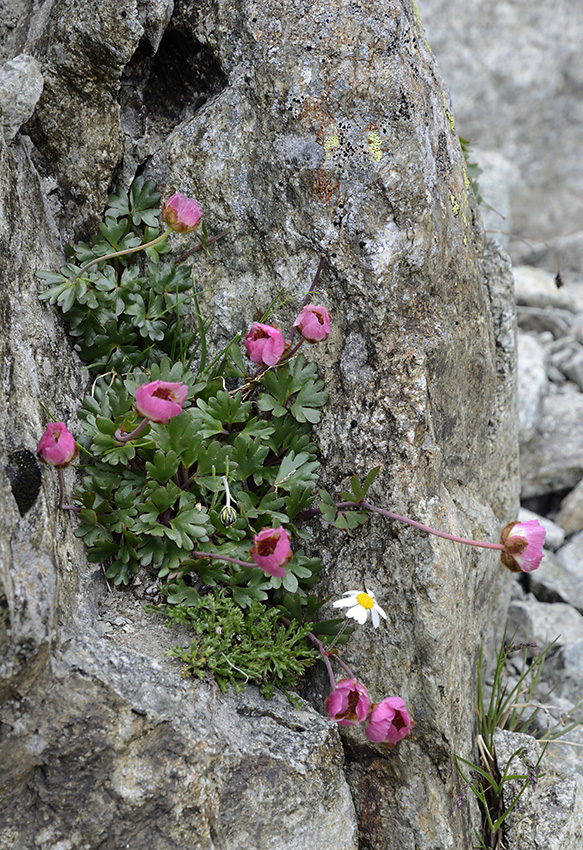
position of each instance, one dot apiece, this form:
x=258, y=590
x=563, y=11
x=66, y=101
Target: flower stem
x=307, y=298
x=345, y=666
x=62, y=504
x=125, y=438
x=481, y=544
x=135, y=250
x=212, y=557
x=200, y=245
x=320, y=647
x=390, y=515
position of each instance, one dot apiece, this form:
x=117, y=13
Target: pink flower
x=264, y=344
x=388, y=722
x=313, y=323
x=160, y=401
x=523, y=545
x=182, y=214
x=348, y=703
x=57, y=445
x=271, y=550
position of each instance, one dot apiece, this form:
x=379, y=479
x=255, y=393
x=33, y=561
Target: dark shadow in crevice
x=160, y=92
x=24, y=475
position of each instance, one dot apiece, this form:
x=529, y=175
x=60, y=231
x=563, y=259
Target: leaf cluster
x=241, y=645
x=156, y=503
x=125, y=311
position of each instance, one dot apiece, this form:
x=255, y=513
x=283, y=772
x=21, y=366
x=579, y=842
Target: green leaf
x=327, y=506
x=296, y=470
x=163, y=467
x=143, y=201
x=188, y=527
x=249, y=455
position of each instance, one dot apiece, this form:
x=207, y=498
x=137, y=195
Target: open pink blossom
x=271, y=550
x=160, y=401
x=388, y=721
x=348, y=703
x=264, y=344
x=523, y=545
x=313, y=323
x=182, y=214
x=57, y=445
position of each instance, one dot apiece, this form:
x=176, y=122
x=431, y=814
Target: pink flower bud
x=523, y=545
x=57, y=445
x=313, y=323
x=348, y=703
x=271, y=550
x=160, y=401
x=264, y=344
x=388, y=722
x=182, y=214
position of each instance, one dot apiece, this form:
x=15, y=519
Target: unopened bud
x=228, y=516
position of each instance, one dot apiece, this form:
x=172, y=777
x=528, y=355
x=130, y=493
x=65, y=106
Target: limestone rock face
x=305, y=128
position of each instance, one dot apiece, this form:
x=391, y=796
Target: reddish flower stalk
x=390, y=515
x=227, y=558
x=309, y=292
x=62, y=504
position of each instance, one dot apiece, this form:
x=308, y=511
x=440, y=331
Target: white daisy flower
x=359, y=604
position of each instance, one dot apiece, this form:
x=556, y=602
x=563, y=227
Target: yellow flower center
x=365, y=600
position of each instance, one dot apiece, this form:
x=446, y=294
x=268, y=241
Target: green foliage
x=154, y=500
x=239, y=646
x=123, y=312
x=515, y=709
x=183, y=500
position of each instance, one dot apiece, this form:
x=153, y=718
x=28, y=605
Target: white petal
x=375, y=617
x=381, y=612
x=358, y=613
x=341, y=603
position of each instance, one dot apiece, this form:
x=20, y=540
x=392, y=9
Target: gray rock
x=492, y=58
x=544, y=622
x=554, y=582
x=567, y=356
x=564, y=253
x=553, y=459
x=548, y=816
x=570, y=516
x=565, y=673
x=577, y=327
x=21, y=85
x=555, y=534
x=570, y=556
x=539, y=320
x=533, y=383
x=537, y=288
x=345, y=149
x=497, y=184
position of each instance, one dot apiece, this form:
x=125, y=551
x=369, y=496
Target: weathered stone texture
x=515, y=71
x=317, y=128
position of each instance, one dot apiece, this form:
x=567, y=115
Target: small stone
x=555, y=321
x=570, y=516
x=553, y=582
x=544, y=622
x=21, y=85
x=553, y=458
x=537, y=288
x=533, y=383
